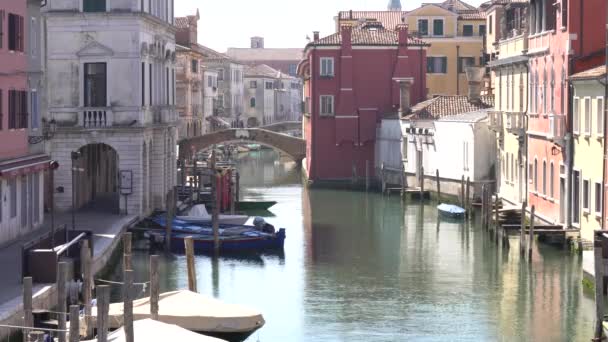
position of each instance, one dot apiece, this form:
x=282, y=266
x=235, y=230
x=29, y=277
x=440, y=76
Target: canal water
x=362, y=267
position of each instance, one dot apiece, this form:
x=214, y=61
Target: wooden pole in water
x=496, y=218
x=127, y=295
x=467, y=197
x=483, y=205
x=599, y=285
x=462, y=191
x=62, y=273
x=169, y=224
x=531, y=233
x=215, y=178
x=189, y=245
x=28, y=318
x=74, y=323
x=238, y=186
x=154, y=286
x=231, y=191
x=438, y=185
x=103, y=307
x=127, y=250
x=383, y=181
x=522, y=232
x=422, y=183
x=402, y=180
x=87, y=285
x=366, y=175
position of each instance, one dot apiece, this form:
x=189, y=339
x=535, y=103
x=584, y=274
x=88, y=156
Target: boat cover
x=199, y=213
x=451, y=209
x=149, y=330
x=192, y=311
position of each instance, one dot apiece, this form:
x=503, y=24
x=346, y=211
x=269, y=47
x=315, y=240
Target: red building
x=565, y=37
x=353, y=78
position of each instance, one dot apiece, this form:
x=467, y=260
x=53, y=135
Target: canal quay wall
x=107, y=232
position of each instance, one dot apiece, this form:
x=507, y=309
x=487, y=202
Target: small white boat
x=194, y=312
x=149, y=330
x=450, y=210
x=198, y=215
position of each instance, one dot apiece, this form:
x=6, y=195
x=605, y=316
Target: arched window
x=535, y=175
x=544, y=94
x=552, y=92
x=544, y=177
x=252, y=102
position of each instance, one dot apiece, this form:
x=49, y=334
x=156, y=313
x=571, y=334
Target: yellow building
x=588, y=140
x=506, y=43
x=455, y=31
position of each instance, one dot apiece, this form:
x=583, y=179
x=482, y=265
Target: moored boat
x=198, y=215
x=254, y=205
x=450, y=210
x=194, y=312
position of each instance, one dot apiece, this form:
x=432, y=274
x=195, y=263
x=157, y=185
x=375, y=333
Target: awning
x=24, y=165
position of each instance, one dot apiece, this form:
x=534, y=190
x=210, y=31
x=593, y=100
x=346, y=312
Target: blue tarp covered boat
x=233, y=238
x=450, y=210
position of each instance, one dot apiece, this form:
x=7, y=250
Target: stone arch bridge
x=292, y=146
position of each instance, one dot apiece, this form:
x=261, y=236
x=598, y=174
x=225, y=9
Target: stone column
x=404, y=97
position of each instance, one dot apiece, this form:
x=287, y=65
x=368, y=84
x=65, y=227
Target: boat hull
x=229, y=336
x=204, y=244
x=255, y=205
x=222, y=219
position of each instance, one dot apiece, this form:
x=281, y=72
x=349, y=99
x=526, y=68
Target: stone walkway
x=105, y=228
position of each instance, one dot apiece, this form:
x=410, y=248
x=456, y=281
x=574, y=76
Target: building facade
x=271, y=96
x=190, y=78
x=507, y=46
x=209, y=98
x=111, y=91
x=588, y=116
x=22, y=165
x=563, y=39
x=353, y=78
x=230, y=86
x=283, y=59
x=454, y=29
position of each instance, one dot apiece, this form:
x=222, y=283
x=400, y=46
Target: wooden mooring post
x=496, y=217
x=403, y=181
x=437, y=179
x=422, y=183
x=127, y=295
x=522, y=232
x=366, y=175
x=462, y=203
x=484, y=206
x=232, y=193
x=62, y=273
x=28, y=317
x=87, y=285
x=103, y=311
x=468, y=198
x=531, y=233
x=154, y=286
x=382, y=178
x=74, y=323
x=189, y=246
x=599, y=284
x=169, y=225
x=127, y=250
x=215, y=199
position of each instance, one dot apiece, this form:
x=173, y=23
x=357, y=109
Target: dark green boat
x=254, y=205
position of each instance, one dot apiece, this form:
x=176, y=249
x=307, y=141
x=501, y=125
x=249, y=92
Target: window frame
x=552, y=180
x=85, y=74
x=461, y=67
x=467, y=26
x=34, y=110
x=586, y=195
x=2, y=21
x=333, y=106
x=481, y=30
x=587, y=116
x=324, y=64
x=95, y=9
x=432, y=58
x=420, y=32
x=437, y=20
x=598, y=208
x=13, y=197
x=576, y=115
x=253, y=84
x=600, y=116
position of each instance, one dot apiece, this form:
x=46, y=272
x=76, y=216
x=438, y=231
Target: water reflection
x=363, y=267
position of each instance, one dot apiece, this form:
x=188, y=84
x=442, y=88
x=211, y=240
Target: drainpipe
x=569, y=152
x=525, y=144
x=603, y=225
x=457, y=70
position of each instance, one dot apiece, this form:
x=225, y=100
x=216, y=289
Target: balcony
x=96, y=118
x=495, y=120
x=515, y=123
x=557, y=129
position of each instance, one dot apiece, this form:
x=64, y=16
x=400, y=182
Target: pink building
x=564, y=37
x=352, y=79
x=21, y=172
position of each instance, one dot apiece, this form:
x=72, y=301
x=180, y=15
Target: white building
x=209, y=97
x=449, y=134
x=111, y=90
x=271, y=96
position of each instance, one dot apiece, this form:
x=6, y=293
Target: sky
x=282, y=23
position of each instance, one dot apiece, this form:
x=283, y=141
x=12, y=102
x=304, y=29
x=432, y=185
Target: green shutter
x=94, y=5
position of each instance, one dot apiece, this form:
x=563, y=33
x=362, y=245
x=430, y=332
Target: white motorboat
x=198, y=215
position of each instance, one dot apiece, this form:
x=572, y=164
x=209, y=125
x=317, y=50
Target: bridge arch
x=291, y=146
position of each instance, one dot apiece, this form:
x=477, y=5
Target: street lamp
x=75, y=156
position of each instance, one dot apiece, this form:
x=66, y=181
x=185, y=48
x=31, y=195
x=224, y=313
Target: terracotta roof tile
x=448, y=105
x=389, y=19
x=590, y=73
x=182, y=22
x=472, y=15
x=457, y=6
x=265, y=54
x=368, y=36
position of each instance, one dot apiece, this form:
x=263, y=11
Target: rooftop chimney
x=346, y=34
x=257, y=42
x=315, y=36
x=475, y=78
x=403, y=31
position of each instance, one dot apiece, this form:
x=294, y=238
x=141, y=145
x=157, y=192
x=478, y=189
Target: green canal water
x=362, y=267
